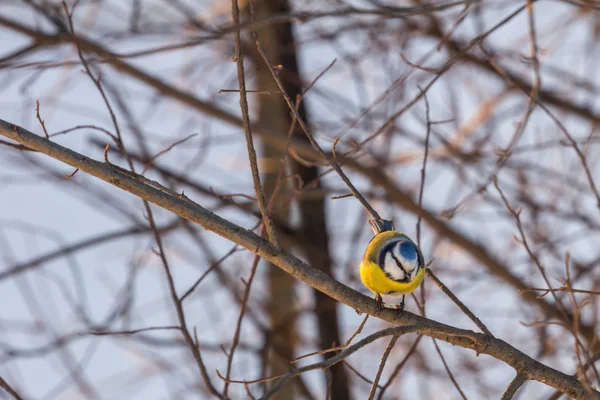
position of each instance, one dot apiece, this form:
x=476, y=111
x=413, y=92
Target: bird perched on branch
x=392, y=265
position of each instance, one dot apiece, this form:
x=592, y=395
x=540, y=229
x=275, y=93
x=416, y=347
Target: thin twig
x=563, y=129
x=78, y=127
x=169, y=148
x=572, y=322
x=422, y=187
x=129, y=332
x=267, y=92
x=357, y=373
x=445, y=68
x=563, y=289
x=399, y=367
x=583, y=377
x=533, y=95
x=39, y=117
x=95, y=80
x=238, y=326
x=40, y=260
x=260, y=196
x=447, y=368
x=398, y=331
x=314, y=81
x=195, y=350
x=19, y=147
x=342, y=347
x=329, y=383
x=343, y=196
x=4, y=385
x=72, y=174
x=384, y=358
x=422, y=290
x=208, y=271
x=459, y=303
x=525, y=243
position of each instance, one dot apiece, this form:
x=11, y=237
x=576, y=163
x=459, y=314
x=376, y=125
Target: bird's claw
x=379, y=301
x=400, y=307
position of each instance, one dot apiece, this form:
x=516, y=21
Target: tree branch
x=184, y=208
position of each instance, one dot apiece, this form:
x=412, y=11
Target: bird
x=392, y=264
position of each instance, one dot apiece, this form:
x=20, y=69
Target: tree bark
x=279, y=45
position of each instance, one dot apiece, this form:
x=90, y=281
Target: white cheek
x=390, y=266
x=408, y=266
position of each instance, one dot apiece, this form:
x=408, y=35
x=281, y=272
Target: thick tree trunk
x=278, y=42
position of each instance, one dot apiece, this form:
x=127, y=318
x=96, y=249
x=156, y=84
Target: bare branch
x=186, y=209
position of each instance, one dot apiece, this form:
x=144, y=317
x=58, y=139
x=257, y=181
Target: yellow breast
x=377, y=282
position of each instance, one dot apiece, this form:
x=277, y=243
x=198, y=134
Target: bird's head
x=400, y=258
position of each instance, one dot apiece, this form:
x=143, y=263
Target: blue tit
x=392, y=265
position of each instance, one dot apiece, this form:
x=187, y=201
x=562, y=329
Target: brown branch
x=443, y=70
x=384, y=358
x=84, y=244
x=397, y=332
x=238, y=326
x=39, y=117
x=574, y=327
x=399, y=367
x=423, y=168
x=186, y=209
x=447, y=368
x=545, y=96
x=357, y=373
x=208, y=271
x=166, y=150
x=19, y=147
x=338, y=348
x=129, y=332
x=517, y=217
x=563, y=289
x=514, y=385
x=4, y=385
x=192, y=345
x=539, y=100
x=459, y=303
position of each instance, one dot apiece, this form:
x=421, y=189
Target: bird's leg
x=400, y=307
x=379, y=301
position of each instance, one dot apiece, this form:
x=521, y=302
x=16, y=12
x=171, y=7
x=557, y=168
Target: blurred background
x=501, y=94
